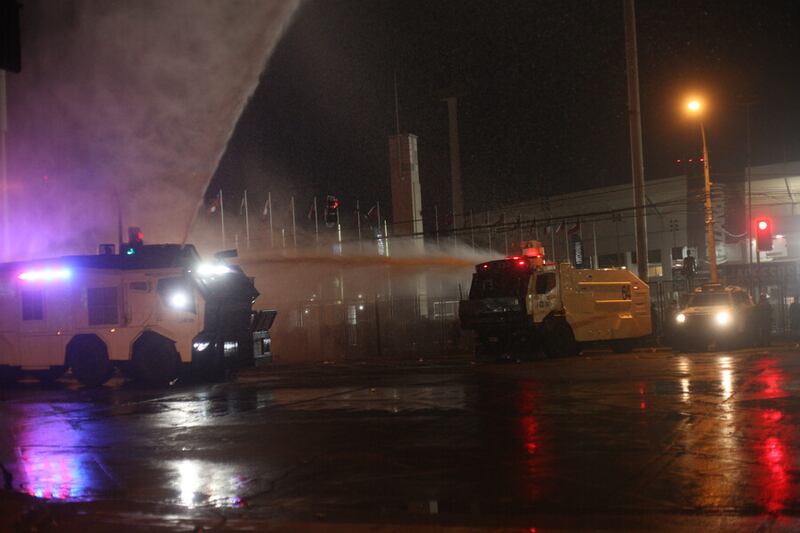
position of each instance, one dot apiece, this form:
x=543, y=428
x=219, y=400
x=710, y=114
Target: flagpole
x=246, y=220
x=594, y=245
x=553, y=242
x=316, y=222
x=294, y=225
x=566, y=241
x=489, y=228
x=358, y=216
x=386, y=236
x=222, y=218
x=471, y=230
x=436, y=218
x=271, y=235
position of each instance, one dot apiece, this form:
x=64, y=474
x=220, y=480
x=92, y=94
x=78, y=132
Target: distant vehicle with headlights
x=520, y=304
x=152, y=312
x=715, y=314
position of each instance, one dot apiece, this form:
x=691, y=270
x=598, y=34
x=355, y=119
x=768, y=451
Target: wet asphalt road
x=648, y=440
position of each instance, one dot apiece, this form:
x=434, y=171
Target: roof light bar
x=48, y=274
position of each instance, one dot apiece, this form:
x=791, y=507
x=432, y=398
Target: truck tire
x=154, y=360
x=558, y=339
x=51, y=375
x=87, y=357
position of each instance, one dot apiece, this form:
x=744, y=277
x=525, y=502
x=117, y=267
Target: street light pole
x=712, y=248
x=635, y=124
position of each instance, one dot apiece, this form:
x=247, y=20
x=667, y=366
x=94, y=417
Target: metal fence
x=365, y=329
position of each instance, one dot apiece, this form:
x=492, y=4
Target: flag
x=372, y=216
x=243, y=204
x=311, y=209
x=265, y=211
x=559, y=227
x=575, y=228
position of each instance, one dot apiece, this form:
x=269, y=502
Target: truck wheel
x=51, y=375
x=210, y=366
x=155, y=361
x=88, y=358
x=622, y=345
x=558, y=339
x=9, y=375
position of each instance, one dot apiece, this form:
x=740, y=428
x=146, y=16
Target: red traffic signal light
x=763, y=235
x=331, y=211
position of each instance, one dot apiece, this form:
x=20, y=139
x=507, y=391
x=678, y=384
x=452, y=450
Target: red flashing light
x=763, y=225
x=678, y=161
x=691, y=161
x=486, y=266
x=140, y=236
x=521, y=263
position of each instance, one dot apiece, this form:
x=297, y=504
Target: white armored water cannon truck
x=522, y=304
x=151, y=311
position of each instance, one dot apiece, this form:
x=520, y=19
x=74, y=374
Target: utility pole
x=3, y=170
x=749, y=193
x=635, y=120
x=712, y=246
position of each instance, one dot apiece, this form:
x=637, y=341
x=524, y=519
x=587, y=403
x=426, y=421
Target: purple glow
x=48, y=274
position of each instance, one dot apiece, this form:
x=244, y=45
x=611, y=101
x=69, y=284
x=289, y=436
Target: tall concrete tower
x=407, y=211
x=406, y=193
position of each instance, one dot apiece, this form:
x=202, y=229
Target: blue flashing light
x=47, y=274
x=131, y=251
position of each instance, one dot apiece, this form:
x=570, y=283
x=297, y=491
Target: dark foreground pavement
x=642, y=441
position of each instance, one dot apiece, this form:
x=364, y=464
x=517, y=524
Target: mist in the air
x=126, y=107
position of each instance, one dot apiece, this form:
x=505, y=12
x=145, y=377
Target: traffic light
x=135, y=241
x=331, y=211
x=763, y=234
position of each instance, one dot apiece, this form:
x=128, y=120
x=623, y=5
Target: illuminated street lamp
x=695, y=108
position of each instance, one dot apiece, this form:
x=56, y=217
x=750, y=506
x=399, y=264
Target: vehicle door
x=544, y=295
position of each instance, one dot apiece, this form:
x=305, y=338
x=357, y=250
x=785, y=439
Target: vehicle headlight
x=680, y=318
x=723, y=318
x=179, y=300
x=201, y=346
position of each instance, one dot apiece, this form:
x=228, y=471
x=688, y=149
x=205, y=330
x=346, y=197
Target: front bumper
x=706, y=327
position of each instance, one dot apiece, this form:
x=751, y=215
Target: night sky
x=542, y=90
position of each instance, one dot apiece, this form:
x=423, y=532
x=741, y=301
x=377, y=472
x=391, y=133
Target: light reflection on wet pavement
x=655, y=439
